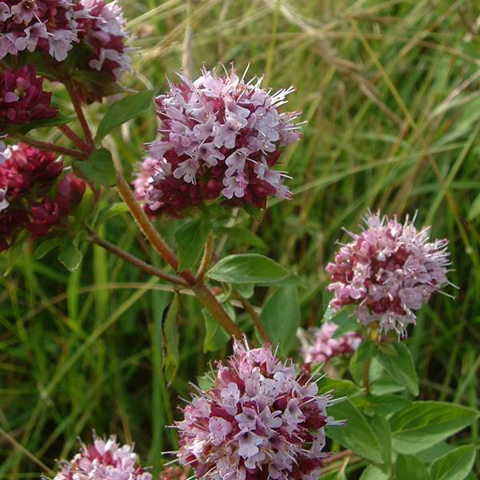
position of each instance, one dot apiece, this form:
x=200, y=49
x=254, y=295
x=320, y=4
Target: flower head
x=46, y=25
x=389, y=271
x=324, y=347
x=22, y=98
x=31, y=197
x=102, y=26
x=220, y=137
x=104, y=459
x=259, y=421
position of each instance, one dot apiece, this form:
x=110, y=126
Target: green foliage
x=98, y=168
x=398, y=362
x=281, y=317
x=190, y=240
x=124, y=110
x=455, y=465
x=248, y=268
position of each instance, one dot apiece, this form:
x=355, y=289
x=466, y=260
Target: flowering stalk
x=248, y=307
x=73, y=137
x=77, y=105
x=133, y=260
x=204, y=295
x=51, y=147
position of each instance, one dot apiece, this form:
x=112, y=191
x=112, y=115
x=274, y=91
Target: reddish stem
x=75, y=139
x=77, y=105
x=51, y=147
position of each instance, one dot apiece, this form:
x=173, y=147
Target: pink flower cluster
x=105, y=460
x=22, y=98
x=259, y=421
x=389, y=270
x=55, y=26
x=102, y=26
x=46, y=25
x=31, y=198
x=220, y=136
x=324, y=347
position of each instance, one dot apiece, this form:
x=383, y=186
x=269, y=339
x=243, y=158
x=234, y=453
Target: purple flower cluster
x=56, y=26
x=324, y=347
x=220, y=136
x=102, y=26
x=22, y=98
x=31, y=198
x=105, y=460
x=259, y=421
x=388, y=271
x=46, y=25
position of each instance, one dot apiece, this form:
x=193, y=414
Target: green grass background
x=390, y=90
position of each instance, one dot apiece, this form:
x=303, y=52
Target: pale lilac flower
x=259, y=421
x=102, y=26
x=215, y=133
x=318, y=344
x=104, y=459
x=47, y=25
x=388, y=271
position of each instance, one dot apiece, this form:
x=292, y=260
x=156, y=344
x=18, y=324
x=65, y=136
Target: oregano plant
x=337, y=400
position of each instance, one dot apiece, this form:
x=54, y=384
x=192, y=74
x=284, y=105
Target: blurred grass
x=391, y=93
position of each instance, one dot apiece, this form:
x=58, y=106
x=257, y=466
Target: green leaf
x=111, y=211
x=398, y=362
x=248, y=268
x=70, y=256
x=190, y=240
x=373, y=473
x=455, y=465
x=366, y=350
x=423, y=424
x=215, y=335
x=436, y=451
x=123, y=111
x=45, y=247
x=339, y=388
x=385, y=404
x=281, y=317
x=383, y=432
x=356, y=435
x=170, y=335
x=409, y=467
x=242, y=235
x=98, y=168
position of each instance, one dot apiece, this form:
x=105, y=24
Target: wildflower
x=102, y=26
x=220, y=137
x=389, y=271
x=31, y=198
x=22, y=98
x=324, y=347
x=260, y=420
x=46, y=25
x=103, y=459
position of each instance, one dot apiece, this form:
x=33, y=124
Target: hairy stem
x=140, y=264
x=51, y=147
x=366, y=371
x=249, y=308
x=204, y=295
x=77, y=105
x=74, y=138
